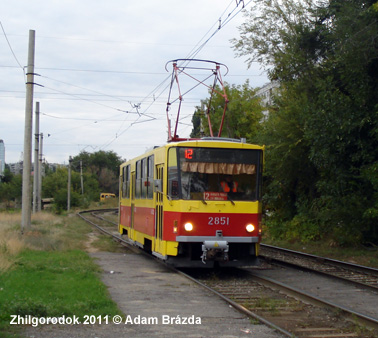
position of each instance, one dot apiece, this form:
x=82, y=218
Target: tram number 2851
x=219, y=221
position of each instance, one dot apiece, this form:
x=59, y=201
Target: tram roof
x=207, y=142
x=216, y=142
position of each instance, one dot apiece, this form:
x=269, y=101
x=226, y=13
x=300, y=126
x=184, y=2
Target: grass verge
x=46, y=273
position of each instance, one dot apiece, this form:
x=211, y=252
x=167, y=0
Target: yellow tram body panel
x=153, y=208
x=164, y=248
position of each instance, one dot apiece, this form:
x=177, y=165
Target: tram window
x=123, y=182
x=203, y=170
x=127, y=181
x=260, y=173
x=173, y=176
x=150, y=176
x=138, y=181
x=144, y=177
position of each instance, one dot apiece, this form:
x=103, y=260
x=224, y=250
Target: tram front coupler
x=215, y=250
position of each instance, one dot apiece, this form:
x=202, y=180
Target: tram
x=173, y=202
x=195, y=202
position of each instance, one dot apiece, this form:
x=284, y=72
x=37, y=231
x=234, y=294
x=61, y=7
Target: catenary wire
x=193, y=54
x=11, y=49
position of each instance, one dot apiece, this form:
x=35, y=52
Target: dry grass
x=47, y=232
x=10, y=242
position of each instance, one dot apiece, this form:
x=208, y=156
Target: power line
x=99, y=71
x=196, y=46
x=221, y=24
x=11, y=49
x=83, y=119
x=107, y=41
x=90, y=90
x=92, y=101
x=192, y=55
x=149, y=100
x=114, y=71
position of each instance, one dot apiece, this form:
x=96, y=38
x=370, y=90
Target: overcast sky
x=101, y=67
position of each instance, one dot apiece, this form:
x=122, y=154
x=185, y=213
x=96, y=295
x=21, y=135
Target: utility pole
x=69, y=185
x=36, y=160
x=39, y=199
x=26, y=186
x=81, y=177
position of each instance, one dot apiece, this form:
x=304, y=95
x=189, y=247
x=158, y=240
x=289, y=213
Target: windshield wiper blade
x=230, y=199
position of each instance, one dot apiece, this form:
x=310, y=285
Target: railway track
x=285, y=309
x=105, y=225
x=361, y=276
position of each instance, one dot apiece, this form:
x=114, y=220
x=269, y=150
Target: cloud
x=99, y=60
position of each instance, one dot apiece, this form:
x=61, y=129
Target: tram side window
x=127, y=181
x=138, y=181
x=144, y=177
x=124, y=180
x=150, y=176
x=173, y=175
x=260, y=181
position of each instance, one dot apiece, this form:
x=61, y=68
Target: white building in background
x=2, y=157
x=16, y=168
x=266, y=93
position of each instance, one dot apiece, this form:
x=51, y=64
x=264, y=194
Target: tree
x=325, y=55
x=102, y=164
x=10, y=188
x=242, y=116
x=271, y=26
x=55, y=186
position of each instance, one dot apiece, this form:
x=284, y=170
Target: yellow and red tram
x=195, y=203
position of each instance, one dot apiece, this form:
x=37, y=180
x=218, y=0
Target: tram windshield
x=214, y=174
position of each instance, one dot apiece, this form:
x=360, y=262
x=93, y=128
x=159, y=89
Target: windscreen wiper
x=230, y=199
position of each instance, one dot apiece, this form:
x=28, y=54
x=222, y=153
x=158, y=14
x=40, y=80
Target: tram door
x=159, y=210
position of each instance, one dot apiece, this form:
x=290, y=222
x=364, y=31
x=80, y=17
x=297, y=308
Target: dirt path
x=157, y=303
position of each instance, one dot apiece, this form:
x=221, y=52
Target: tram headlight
x=250, y=227
x=188, y=226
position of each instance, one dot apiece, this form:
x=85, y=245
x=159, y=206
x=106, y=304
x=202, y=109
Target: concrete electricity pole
x=26, y=186
x=69, y=185
x=36, y=194
x=40, y=173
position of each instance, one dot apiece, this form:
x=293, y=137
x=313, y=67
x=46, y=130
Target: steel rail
x=80, y=214
x=237, y=306
x=104, y=219
x=356, y=267
x=124, y=242
x=119, y=239
x=312, y=299
x=306, y=297
x=357, y=275
x=283, y=263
